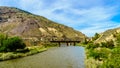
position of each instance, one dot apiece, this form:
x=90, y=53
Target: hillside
x=108, y=35
x=17, y=22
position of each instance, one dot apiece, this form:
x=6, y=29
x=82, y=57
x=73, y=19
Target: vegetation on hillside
x=108, y=35
x=96, y=36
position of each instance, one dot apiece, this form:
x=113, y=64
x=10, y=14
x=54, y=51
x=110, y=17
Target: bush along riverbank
x=14, y=47
x=103, y=55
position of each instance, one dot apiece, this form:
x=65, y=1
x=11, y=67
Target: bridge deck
x=66, y=41
x=59, y=42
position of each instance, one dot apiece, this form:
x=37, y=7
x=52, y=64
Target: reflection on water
x=60, y=57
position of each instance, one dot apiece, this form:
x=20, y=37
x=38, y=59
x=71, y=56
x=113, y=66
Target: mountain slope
x=17, y=22
x=108, y=35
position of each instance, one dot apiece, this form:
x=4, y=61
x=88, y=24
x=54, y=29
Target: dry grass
x=13, y=55
x=92, y=63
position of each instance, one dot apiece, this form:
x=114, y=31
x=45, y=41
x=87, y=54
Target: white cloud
x=98, y=28
x=88, y=16
x=91, y=13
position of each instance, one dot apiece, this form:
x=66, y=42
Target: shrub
x=92, y=46
x=108, y=44
x=114, y=60
x=12, y=44
x=99, y=53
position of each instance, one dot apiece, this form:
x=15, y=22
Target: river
x=58, y=57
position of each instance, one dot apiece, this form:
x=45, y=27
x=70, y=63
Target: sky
x=87, y=16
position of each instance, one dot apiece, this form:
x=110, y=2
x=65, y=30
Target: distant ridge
x=108, y=35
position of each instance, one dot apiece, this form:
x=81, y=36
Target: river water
x=58, y=57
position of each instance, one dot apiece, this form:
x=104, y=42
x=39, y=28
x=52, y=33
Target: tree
x=12, y=44
x=96, y=36
x=2, y=38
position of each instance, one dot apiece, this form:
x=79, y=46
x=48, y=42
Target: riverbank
x=26, y=52
x=13, y=55
x=100, y=56
x=90, y=62
x=56, y=57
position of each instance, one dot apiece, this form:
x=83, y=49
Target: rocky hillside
x=108, y=35
x=17, y=22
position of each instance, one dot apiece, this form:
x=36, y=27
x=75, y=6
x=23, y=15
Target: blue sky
x=87, y=16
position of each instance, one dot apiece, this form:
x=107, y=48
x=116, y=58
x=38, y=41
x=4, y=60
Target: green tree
x=2, y=38
x=96, y=36
x=12, y=44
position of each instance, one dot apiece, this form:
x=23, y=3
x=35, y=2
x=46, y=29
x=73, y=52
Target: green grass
x=92, y=63
x=12, y=55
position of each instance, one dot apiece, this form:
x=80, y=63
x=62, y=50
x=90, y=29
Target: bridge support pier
x=59, y=44
x=74, y=44
x=67, y=43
